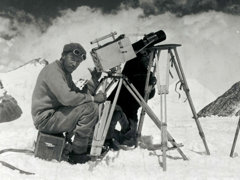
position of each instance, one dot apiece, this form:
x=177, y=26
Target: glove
x=100, y=97
x=95, y=74
x=84, y=89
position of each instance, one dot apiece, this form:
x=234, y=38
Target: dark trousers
x=118, y=116
x=80, y=120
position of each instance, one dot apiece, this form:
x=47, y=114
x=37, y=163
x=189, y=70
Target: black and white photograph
x=119, y=89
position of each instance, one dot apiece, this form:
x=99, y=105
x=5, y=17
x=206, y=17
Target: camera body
x=113, y=54
x=120, y=50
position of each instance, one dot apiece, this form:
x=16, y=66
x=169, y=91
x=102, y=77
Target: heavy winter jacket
x=136, y=71
x=54, y=88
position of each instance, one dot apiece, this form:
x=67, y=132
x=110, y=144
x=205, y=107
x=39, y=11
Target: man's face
x=71, y=62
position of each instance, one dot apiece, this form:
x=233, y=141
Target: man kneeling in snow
x=136, y=71
x=59, y=106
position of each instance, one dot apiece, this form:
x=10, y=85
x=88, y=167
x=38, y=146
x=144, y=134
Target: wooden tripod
x=172, y=49
x=123, y=80
x=235, y=138
x=162, y=125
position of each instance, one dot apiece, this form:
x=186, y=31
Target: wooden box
x=49, y=147
x=113, y=54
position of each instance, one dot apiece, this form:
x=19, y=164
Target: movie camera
x=112, y=54
x=108, y=58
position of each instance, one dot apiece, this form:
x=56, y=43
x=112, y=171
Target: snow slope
x=135, y=164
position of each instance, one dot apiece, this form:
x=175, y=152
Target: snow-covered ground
x=133, y=164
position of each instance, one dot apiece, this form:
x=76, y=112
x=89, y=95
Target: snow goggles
x=79, y=54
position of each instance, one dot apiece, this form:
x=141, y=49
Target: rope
x=179, y=95
x=14, y=167
x=180, y=87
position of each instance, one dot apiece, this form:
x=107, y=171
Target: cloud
x=186, y=7
x=210, y=41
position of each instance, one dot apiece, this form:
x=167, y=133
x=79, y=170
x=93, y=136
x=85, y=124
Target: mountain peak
x=34, y=62
x=39, y=61
x=19, y=80
x=227, y=104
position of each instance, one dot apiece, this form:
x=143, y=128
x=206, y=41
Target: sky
x=209, y=31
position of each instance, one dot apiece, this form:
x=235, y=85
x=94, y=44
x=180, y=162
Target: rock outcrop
x=227, y=104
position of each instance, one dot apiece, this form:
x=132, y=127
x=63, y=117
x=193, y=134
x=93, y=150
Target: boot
x=110, y=143
x=78, y=158
x=127, y=137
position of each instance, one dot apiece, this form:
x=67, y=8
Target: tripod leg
x=182, y=78
x=112, y=108
x=98, y=140
x=151, y=114
x=142, y=115
x=146, y=95
x=163, y=111
x=235, y=139
x=101, y=129
x=164, y=145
